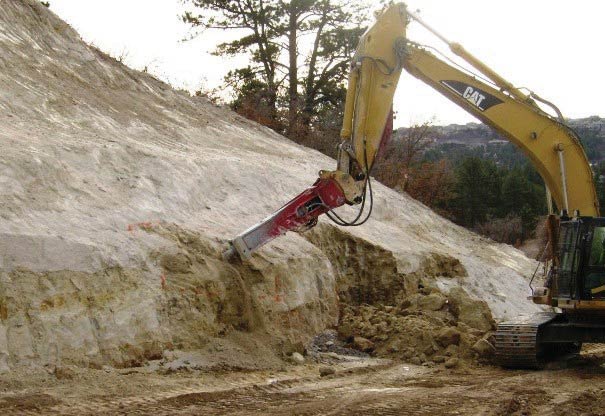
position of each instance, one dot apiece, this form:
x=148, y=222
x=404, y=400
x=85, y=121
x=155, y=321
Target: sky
x=553, y=47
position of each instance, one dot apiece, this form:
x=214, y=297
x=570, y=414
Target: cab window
x=568, y=248
x=597, y=248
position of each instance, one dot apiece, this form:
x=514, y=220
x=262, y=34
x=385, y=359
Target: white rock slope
x=117, y=193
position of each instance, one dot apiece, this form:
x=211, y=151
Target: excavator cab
x=577, y=286
x=594, y=280
x=581, y=273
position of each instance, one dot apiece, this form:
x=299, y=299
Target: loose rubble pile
x=422, y=328
x=407, y=316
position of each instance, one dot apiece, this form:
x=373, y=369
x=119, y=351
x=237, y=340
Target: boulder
x=431, y=302
x=483, y=348
x=297, y=358
x=326, y=371
x=452, y=363
x=363, y=344
x=448, y=336
x=474, y=313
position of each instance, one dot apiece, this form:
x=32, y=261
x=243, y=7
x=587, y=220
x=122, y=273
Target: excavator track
x=517, y=341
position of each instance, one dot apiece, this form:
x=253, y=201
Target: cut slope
x=117, y=193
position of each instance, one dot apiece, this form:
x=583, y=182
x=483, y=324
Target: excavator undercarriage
x=534, y=341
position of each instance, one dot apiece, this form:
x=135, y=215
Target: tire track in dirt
x=249, y=390
x=385, y=389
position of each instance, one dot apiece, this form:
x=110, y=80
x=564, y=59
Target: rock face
x=117, y=194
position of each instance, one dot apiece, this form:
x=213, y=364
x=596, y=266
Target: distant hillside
x=455, y=141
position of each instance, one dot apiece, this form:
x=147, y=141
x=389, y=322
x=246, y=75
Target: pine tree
x=299, y=55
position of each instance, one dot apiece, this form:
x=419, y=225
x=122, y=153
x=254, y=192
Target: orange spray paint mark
x=145, y=225
x=278, y=289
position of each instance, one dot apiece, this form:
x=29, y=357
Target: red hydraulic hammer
x=299, y=214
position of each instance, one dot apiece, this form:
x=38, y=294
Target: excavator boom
x=553, y=148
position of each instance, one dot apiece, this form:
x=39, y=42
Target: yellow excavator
x=576, y=277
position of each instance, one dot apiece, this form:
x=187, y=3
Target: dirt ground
x=359, y=386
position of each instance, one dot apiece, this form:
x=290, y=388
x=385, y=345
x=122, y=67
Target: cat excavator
x=574, y=291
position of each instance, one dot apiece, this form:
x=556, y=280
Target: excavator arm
x=553, y=148
x=383, y=52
